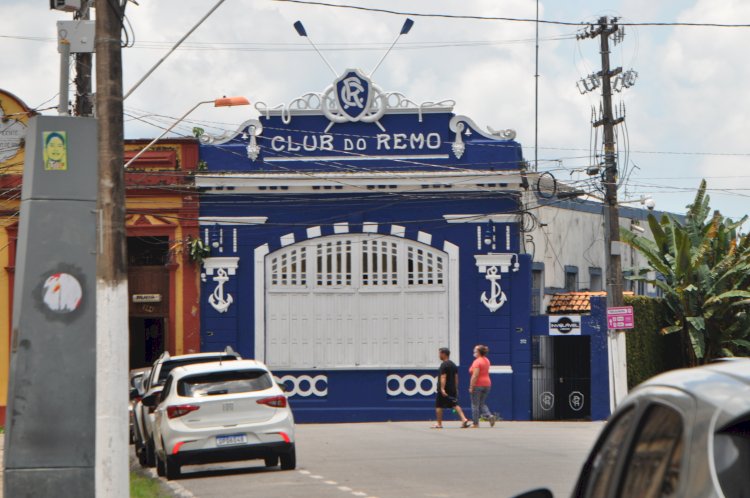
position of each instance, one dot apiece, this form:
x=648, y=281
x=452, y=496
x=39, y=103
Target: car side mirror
x=536, y=493
x=282, y=386
x=152, y=399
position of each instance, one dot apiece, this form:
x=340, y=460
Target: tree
x=703, y=265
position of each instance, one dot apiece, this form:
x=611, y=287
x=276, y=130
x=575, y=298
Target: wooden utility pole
x=84, y=104
x=111, y=269
x=612, y=213
x=616, y=342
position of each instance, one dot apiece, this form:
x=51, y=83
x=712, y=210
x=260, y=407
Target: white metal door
x=356, y=300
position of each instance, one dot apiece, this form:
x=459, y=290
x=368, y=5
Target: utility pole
x=84, y=105
x=616, y=340
x=111, y=268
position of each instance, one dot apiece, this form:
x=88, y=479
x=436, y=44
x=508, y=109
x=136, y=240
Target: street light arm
x=153, y=68
x=147, y=147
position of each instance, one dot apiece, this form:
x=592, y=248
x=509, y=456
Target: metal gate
x=561, y=381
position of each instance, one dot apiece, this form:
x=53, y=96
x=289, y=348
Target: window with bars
x=289, y=269
x=334, y=263
x=357, y=261
x=379, y=263
x=424, y=267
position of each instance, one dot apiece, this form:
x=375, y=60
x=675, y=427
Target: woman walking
x=480, y=385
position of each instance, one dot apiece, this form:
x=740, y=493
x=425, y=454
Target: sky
x=686, y=116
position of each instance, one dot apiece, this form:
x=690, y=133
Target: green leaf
x=671, y=329
x=742, y=343
x=698, y=342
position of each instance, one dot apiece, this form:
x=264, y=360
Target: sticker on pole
x=620, y=318
x=62, y=293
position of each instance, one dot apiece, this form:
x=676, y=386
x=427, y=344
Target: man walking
x=447, y=390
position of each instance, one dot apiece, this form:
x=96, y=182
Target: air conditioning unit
x=65, y=5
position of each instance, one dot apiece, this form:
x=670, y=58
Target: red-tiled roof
x=573, y=302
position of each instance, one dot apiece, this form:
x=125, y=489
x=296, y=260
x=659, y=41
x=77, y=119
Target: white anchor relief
x=218, y=300
x=497, y=297
x=220, y=269
x=493, y=265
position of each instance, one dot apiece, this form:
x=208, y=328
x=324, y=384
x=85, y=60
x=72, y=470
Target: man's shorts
x=445, y=401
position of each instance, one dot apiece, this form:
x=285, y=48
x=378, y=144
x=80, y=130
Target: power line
x=508, y=19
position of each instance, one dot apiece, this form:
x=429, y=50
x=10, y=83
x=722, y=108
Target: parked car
x=136, y=393
x=685, y=433
x=219, y=412
x=144, y=445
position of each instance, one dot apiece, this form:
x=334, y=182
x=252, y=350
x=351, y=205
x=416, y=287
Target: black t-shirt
x=449, y=369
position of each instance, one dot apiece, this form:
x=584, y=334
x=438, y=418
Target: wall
x=571, y=233
x=361, y=394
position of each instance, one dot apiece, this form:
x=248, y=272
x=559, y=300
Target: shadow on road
x=204, y=471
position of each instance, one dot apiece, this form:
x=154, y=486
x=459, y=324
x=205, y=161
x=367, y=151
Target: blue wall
x=361, y=394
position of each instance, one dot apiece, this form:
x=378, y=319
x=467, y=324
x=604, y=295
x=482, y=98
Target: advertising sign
x=620, y=318
x=564, y=325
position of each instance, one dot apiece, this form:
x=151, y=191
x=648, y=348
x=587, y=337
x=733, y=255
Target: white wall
x=568, y=237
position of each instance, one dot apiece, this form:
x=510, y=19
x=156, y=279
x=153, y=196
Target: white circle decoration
x=305, y=385
x=410, y=385
x=62, y=293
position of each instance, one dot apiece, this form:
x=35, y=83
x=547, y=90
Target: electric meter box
x=80, y=35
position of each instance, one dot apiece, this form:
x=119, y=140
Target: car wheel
x=272, y=461
x=172, y=469
x=289, y=460
x=160, y=467
x=150, y=453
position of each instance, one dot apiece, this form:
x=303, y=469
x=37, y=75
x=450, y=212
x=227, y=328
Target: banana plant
x=704, y=267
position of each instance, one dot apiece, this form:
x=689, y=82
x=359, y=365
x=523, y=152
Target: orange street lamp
x=222, y=102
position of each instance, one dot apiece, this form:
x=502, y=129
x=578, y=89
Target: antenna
x=301, y=31
x=404, y=30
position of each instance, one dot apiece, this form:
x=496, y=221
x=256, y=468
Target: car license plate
x=231, y=440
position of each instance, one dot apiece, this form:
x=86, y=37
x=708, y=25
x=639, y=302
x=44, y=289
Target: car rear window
x=232, y=382
x=732, y=458
x=170, y=365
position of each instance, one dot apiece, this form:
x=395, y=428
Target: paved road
x=404, y=460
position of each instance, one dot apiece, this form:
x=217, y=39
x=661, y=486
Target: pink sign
x=620, y=318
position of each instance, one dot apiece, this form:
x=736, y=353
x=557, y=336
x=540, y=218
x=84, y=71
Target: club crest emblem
x=353, y=94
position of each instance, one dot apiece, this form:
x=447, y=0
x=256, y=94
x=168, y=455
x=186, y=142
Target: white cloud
x=690, y=95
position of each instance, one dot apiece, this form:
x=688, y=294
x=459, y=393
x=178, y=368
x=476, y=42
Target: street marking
x=346, y=489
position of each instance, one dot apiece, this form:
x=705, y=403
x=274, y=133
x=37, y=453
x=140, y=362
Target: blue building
x=353, y=232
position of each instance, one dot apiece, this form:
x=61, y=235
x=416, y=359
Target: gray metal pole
x=64, y=48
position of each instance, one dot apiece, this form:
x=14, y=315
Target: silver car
x=685, y=433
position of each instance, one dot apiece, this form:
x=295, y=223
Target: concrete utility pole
x=618, y=370
x=111, y=268
x=84, y=105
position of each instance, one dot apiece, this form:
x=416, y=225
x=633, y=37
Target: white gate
x=356, y=300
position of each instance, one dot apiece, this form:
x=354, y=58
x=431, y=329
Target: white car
x=219, y=412
x=144, y=416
